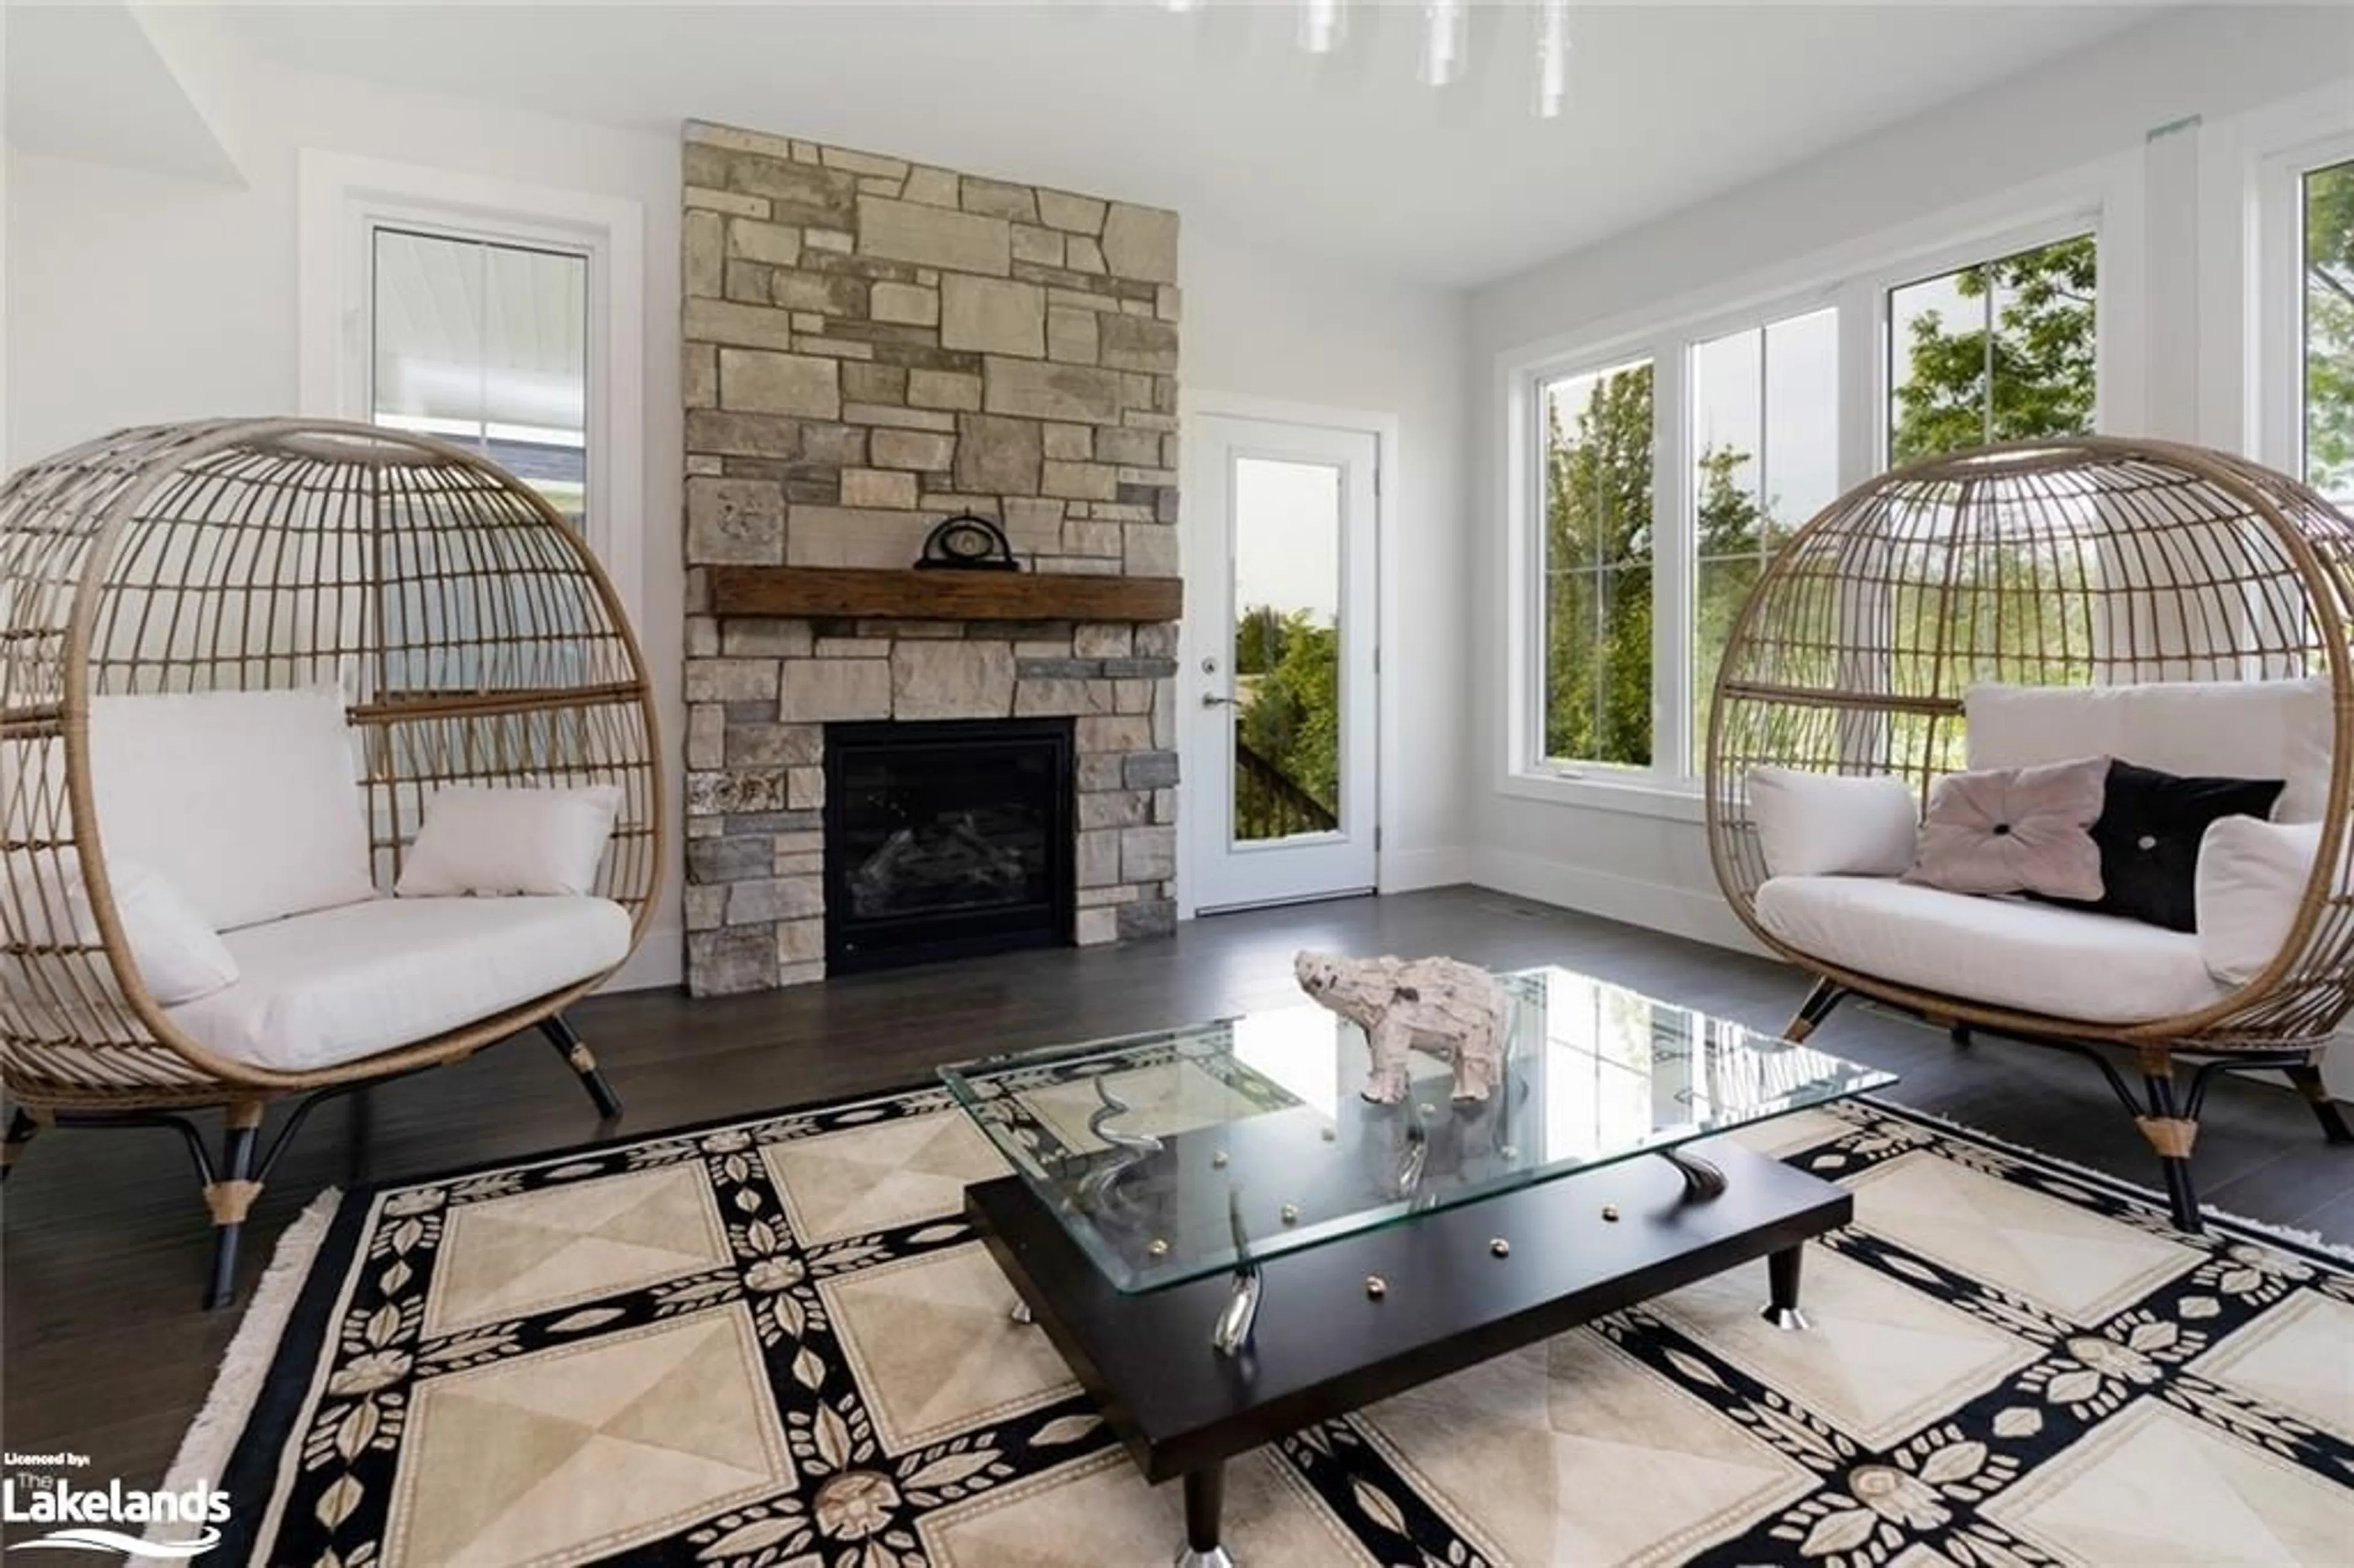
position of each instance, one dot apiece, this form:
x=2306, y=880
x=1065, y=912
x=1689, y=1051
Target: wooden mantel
x=862, y=593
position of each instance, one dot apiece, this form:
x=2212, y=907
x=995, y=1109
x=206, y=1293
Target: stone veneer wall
x=870, y=346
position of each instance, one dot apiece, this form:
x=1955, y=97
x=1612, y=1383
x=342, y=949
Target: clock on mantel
x=968, y=542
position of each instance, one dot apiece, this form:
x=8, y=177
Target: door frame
x=1382, y=426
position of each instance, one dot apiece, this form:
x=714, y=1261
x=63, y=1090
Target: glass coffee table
x=1227, y=1242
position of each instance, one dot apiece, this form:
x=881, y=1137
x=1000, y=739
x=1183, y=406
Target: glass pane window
x=1764, y=445
x=2001, y=351
x=2328, y=331
x=1286, y=652
x=1598, y=543
x=485, y=345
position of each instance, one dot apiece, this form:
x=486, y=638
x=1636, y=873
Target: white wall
x=1931, y=181
x=1296, y=330
x=140, y=297
x=135, y=297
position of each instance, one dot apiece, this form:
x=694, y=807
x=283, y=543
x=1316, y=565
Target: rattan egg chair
x=474, y=641
x=2091, y=562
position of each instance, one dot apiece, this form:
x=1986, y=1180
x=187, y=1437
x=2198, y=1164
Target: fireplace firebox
x=946, y=840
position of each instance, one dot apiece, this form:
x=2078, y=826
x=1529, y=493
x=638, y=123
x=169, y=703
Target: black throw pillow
x=2149, y=834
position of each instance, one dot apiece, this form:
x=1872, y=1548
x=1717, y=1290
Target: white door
x=1278, y=664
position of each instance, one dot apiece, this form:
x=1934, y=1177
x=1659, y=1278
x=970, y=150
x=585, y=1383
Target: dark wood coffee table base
x=1324, y=1344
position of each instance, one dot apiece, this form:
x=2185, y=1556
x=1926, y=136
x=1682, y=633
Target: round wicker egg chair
x=2088, y=562
x=474, y=641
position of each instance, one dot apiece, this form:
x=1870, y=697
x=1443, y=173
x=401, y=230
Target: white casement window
x=1598, y=500
x=1656, y=473
x=485, y=342
x=505, y=318
x=2306, y=293
x=1999, y=350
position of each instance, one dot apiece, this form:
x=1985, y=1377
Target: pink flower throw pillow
x=2015, y=830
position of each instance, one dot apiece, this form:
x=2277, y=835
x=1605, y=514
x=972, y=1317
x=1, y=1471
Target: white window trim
x=2104, y=199
x=2277, y=342
x=2249, y=357
x=343, y=198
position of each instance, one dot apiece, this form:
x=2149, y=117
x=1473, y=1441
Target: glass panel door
x=1279, y=757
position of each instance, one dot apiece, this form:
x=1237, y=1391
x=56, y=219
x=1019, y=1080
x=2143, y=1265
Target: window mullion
x=1863, y=366
x=1674, y=545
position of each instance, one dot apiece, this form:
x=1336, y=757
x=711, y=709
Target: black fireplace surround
x=946, y=840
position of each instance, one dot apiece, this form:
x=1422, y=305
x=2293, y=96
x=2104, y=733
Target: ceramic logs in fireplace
x=946, y=840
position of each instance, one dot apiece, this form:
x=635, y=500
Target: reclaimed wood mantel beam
x=847, y=592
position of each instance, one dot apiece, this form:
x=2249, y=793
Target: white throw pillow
x=178, y=957
x=249, y=802
x=1832, y=824
x=2221, y=729
x=499, y=841
x=2251, y=878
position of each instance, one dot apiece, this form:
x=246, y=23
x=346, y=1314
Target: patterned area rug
x=774, y=1342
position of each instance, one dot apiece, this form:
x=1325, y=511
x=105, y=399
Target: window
x=2325, y=386
x=1666, y=469
x=486, y=344
x=2001, y=351
x=502, y=316
x=1765, y=429
x=1597, y=566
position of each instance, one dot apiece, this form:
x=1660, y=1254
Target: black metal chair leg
x=2171, y=1134
x=2326, y=1111
x=570, y=1047
x=361, y=1133
x=1827, y=995
x=229, y=1196
x=23, y=1126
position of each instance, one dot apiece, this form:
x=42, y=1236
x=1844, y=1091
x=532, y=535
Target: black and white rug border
x=297, y=1305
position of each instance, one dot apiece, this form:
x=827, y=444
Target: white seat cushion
x=340, y=984
x=2005, y=952
x=2218, y=729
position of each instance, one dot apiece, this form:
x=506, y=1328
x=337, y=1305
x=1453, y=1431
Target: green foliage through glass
x=2329, y=330
x=1999, y=351
x=1597, y=566
x=1288, y=737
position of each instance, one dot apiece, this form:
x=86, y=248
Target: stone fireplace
x=872, y=346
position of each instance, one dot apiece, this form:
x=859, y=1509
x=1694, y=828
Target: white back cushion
x=2251, y=880
x=1827, y=825
x=2229, y=730
x=513, y=841
x=177, y=955
x=246, y=802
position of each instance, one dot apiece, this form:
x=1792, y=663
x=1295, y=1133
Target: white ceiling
x=95, y=82
x=1217, y=112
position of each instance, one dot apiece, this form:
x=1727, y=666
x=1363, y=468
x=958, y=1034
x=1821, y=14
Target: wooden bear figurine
x=1449, y=1008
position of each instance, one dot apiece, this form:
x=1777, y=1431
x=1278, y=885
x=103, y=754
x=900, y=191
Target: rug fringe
x=245, y=1365
x=2311, y=1241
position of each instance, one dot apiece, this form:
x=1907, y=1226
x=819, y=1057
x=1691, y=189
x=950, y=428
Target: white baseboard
x=1403, y=871
x=659, y=963
x=2338, y=1068
x=1657, y=906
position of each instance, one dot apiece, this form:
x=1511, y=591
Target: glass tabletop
x=1173, y=1155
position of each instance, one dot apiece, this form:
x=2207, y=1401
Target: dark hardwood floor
x=104, y=1244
